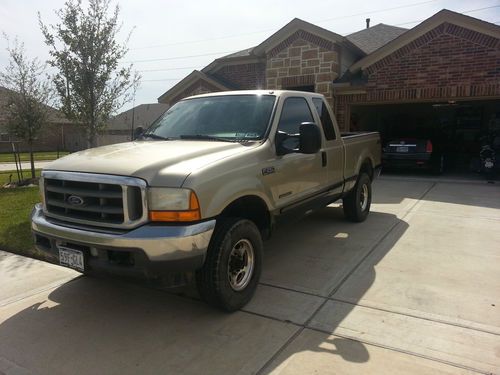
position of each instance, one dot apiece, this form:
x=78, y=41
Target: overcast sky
x=180, y=31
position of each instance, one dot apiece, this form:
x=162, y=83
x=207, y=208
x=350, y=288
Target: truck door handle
x=323, y=159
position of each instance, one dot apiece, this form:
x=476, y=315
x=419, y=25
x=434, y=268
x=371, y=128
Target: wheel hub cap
x=363, y=199
x=240, y=264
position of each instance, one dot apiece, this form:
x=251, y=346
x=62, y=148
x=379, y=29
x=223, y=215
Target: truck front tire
x=358, y=201
x=229, y=277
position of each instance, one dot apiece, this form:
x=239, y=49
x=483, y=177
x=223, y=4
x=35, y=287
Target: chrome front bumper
x=160, y=243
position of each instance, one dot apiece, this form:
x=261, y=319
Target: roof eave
x=290, y=28
x=192, y=77
x=217, y=64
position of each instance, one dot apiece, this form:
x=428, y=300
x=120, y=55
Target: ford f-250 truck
x=199, y=190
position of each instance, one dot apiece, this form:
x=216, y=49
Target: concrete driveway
x=414, y=289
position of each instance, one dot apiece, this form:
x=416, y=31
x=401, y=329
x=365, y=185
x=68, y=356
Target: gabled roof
x=243, y=53
x=258, y=53
x=443, y=16
x=239, y=57
x=371, y=39
x=188, y=80
x=295, y=25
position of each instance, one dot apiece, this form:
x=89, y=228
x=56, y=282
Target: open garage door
x=451, y=129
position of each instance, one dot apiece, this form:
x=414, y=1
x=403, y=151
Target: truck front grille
x=97, y=200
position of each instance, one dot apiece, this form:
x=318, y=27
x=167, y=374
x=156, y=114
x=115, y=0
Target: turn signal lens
x=192, y=214
x=174, y=215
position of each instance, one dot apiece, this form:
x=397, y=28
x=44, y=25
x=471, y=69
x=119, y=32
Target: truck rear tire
x=229, y=277
x=358, y=201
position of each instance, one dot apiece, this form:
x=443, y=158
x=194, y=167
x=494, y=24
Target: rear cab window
x=326, y=120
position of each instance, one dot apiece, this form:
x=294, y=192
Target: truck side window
x=295, y=111
x=326, y=120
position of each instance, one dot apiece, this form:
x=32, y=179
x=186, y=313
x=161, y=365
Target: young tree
x=29, y=95
x=84, y=49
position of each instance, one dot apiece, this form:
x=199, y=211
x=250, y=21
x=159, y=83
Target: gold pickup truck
x=200, y=189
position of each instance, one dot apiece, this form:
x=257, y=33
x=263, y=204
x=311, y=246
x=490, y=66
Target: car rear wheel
x=358, y=201
x=229, y=277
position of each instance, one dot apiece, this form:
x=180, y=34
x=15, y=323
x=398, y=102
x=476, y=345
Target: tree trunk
x=32, y=160
x=91, y=138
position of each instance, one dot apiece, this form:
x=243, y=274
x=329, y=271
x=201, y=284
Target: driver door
x=297, y=176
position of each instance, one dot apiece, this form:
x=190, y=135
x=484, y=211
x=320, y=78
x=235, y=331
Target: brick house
x=58, y=134
x=442, y=76
x=299, y=56
x=121, y=127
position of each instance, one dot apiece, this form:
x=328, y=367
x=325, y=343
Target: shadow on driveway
x=93, y=325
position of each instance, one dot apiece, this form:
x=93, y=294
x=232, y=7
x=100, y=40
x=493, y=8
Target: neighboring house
x=442, y=76
x=121, y=127
x=59, y=134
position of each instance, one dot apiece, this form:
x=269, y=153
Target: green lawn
x=15, y=232
x=5, y=175
x=51, y=155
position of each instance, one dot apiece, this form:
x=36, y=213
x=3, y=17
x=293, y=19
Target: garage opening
x=456, y=130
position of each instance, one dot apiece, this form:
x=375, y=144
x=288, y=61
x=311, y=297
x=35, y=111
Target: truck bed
x=358, y=145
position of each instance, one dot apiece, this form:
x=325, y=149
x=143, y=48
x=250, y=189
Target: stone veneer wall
x=303, y=60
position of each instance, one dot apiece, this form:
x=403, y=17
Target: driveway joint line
x=36, y=292
x=394, y=349
x=415, y=316
x=279, y=351
x=292, y=290
x=356, y=266
x=377, y=244
x=298, y=325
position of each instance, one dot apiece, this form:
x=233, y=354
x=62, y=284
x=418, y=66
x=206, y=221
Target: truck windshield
x=227, y=118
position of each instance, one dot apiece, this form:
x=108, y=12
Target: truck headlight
x=173, y=204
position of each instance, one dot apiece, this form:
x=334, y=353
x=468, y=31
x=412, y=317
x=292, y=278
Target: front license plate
x=402, y=149
x=71, y=258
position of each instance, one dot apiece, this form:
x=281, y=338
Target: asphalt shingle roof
x=242, y=53
x=371, y=39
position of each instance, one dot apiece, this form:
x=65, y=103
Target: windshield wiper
x=204, y=137
x=155, y=136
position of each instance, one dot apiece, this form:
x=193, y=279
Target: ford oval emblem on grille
x=75, y=200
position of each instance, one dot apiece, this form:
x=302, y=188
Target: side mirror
x=309, y=138
x=138, y=132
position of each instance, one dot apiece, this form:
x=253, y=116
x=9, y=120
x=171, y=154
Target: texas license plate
x=402, y=149
x=71, y=258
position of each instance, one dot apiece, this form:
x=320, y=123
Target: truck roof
x=258, y=92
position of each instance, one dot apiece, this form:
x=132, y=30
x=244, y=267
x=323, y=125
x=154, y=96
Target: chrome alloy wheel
x=241, y=264
x=363, y=199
